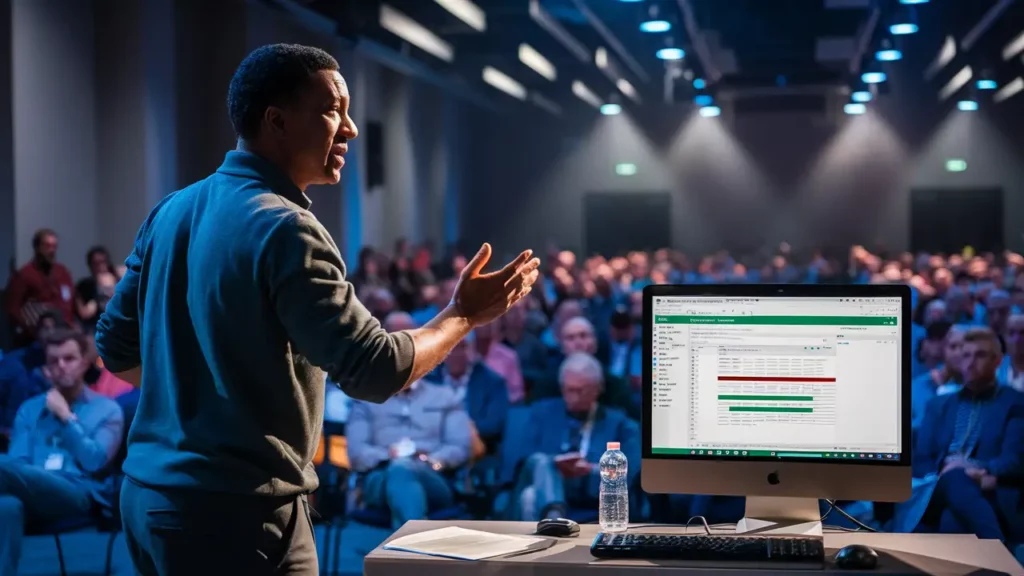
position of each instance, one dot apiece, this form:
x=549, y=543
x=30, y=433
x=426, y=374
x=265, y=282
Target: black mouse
x=856, y=557
x=558, y=527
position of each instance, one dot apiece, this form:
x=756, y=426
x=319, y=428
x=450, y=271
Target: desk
x=943, y=554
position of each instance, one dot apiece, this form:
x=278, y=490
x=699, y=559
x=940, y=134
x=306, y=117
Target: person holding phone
x=564, y=441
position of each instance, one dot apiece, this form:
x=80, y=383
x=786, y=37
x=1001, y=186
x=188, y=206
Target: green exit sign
x=956, y=165
x=625, y=169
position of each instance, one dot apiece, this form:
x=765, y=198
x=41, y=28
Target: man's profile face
x=317, y=128
x=65, y=364
x=980, y=361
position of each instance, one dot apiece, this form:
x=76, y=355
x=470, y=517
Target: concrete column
x=7, y=223
x=211, y=41
x=400, y=198
x=135, y=108
x=55, y=134
x=353, y=175
x=452, y=173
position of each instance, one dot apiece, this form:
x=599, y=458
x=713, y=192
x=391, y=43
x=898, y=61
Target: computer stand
x=781, y=516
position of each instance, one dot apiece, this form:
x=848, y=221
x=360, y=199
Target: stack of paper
x=463, y=544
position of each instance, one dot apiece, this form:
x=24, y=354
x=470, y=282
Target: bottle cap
x=612, y=446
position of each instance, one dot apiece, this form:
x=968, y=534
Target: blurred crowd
x=513, y=423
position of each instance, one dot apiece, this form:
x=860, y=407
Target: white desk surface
x=940, y=554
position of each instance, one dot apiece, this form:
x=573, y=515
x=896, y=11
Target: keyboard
x=785, y=552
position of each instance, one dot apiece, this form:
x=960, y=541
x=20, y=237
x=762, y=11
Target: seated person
x=564, y=442
x=970, y=452
x=405, y=446
x=625, y=351
x=62, y=442
x=938, y=381
x=533, y=355
x=18, y=378
x=578, y=336
x=482, y=391
x=1011, y=371
x=500, y=358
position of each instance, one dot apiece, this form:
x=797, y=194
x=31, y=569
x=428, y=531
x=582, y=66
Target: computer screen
x=785, y=377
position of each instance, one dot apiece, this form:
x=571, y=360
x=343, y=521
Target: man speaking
x=233, y=306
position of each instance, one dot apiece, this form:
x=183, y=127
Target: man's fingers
x=478, y=262
x=522, y=272
x=512, y=267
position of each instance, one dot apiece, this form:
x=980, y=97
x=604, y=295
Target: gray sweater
x=235, y=303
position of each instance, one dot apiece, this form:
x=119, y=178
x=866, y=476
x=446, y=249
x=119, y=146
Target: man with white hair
x=578, y=335
x=563, y=442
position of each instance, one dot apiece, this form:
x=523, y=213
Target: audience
x=566, y=437
x=95, y=290
x=405, y=448
x=538, y=393
x=63, y=440
x=483, y=392
x=39, y=286
x=501, y=359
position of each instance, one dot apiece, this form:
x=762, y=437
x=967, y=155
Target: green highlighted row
x=770, y=409
x=786, y=320
x=769, y=398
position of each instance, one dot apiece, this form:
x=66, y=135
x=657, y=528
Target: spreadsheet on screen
x=796, y=377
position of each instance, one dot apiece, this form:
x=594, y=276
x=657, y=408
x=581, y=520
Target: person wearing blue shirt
x=233, y=306
x=564, y=441
x=62, y=444
x=969, y=454
x=482, y=390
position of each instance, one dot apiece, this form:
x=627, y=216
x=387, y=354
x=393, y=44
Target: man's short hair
x=583, y=364
x=578, y=321
x=37, y=238
x=62, y=335
x=271, y=76
x=983, y=334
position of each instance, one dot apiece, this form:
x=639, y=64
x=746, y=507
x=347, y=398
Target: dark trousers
x=31, y=495
x=178, y=532
x=958, y=505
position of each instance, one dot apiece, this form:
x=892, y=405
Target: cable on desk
x=860, y=525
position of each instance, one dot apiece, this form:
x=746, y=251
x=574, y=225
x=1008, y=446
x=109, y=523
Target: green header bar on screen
x=784, y=320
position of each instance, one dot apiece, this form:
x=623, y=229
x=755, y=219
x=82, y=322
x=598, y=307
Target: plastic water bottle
x=613, y=511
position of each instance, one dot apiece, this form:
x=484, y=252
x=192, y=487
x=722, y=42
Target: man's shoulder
x=97, y=401
x=33, y=406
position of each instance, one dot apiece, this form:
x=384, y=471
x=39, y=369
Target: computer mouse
x=558, y=527
x=856, y=557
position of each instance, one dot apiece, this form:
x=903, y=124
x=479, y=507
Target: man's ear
x=274, y=120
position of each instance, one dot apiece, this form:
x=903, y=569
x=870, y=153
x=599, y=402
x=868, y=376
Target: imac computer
x=783, y=394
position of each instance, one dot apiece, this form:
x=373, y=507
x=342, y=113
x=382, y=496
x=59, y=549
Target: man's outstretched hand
x=481, y=298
